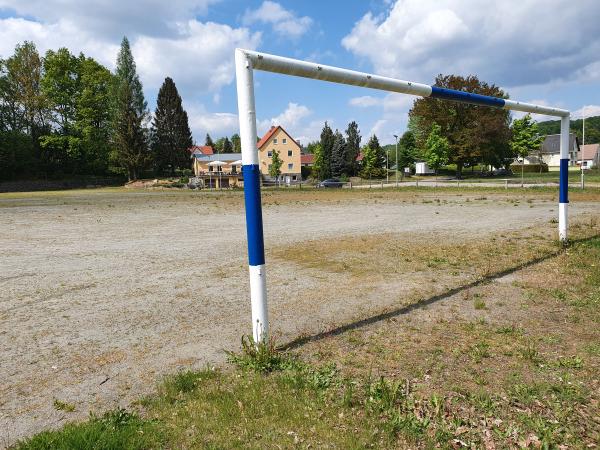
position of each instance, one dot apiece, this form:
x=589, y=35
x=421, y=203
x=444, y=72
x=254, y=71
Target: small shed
x=421, y=168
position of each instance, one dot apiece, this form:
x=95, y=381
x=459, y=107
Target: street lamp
x=396, y=136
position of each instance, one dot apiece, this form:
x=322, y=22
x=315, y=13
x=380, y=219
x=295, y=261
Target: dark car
x=331, y=183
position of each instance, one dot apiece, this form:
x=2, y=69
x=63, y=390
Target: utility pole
x=581, y=150
x=396, y=136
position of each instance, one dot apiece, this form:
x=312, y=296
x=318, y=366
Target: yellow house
x=278, y=140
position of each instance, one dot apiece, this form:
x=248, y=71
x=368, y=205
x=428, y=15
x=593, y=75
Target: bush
x=306, y=172
x=529, y=168
x=262, y=357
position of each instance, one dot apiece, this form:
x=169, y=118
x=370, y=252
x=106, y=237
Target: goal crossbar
x=246, y=61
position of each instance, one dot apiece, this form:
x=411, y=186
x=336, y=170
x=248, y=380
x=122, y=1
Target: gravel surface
x=103, y=293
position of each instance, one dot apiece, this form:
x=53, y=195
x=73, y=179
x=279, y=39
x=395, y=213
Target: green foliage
x=525, y=137
x=171, y=135
x=262, y=357
x=114, y=430
x=475, y=134
x=275, y=166
x=338, y=155
x=529, y=168
x=236, y=143
x=130, y=108
x=317, y=169
x=592, y=128
x=437, y=149
x=326, y=143
x=353, y=139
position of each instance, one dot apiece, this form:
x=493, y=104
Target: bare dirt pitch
x=102, y=292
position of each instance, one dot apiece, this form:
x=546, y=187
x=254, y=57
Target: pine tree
x=208, y=141
x=227, y=145
x=352, y=147
x=327, y=139
x=130, y=115
x=338, y=155
x=373, y=144
x=171, y=133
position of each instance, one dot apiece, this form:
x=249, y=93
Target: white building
x=589, y=156
x=549, y=152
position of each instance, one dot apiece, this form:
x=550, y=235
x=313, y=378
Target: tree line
x=63, y=115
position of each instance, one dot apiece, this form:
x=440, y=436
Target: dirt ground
x=102, y=292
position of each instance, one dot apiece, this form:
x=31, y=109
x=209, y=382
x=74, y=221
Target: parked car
x=331, y=183
x=502, y=172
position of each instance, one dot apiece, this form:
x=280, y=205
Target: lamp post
x=396, y=136
x=387, y=167
x=581, y=150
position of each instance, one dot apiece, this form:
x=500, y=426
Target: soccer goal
x=247, y=61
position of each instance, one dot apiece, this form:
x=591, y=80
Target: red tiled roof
x=307, y=158
x=360, y=156
x=270, y=133
x=204, y=149
x=589, y=151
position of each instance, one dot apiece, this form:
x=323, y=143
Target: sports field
x=102, y=292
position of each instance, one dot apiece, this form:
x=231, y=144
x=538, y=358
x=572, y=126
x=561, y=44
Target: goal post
x=246, y=61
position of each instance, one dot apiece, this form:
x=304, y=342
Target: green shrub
x=262, y=357
x=529, y=168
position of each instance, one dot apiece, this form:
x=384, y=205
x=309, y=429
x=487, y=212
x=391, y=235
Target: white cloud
x=199, y=56
x=589, y=110
x=284, y=22
x=366, y=101
x=507, y=43
x=217, y=124
x=110, y=18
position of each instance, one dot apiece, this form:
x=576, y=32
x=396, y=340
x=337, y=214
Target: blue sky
x=541, y=51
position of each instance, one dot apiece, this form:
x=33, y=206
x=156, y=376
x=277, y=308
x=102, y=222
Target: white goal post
x=247, y=61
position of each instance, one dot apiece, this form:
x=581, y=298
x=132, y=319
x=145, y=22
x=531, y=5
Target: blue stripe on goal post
x=466, y=97
x=563, y=196
x=254, y=225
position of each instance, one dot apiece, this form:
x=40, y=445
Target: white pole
x=251, y=173
x=563, y=205
x=396, y=136
x=581, y=150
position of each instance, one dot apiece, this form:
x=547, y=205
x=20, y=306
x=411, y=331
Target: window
x=275, y=141
x=284, y=141
x=290, y=166
x=270, y=154
x=290, y=152
x=294, y=178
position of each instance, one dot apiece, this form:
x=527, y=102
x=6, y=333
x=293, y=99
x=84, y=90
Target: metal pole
x=396, y=136
x=251, y=172
x=581, y=150
x=564, y=180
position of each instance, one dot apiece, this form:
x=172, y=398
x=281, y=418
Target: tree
x=275, y=166
x=436, y=148
x=236, y=143
x=60, y=85
x=317, y=169
x=407, y=150
x=475, y=133
x=338, y=155
x=352, y=147
x=131, y=114
x=171, y=133
x=373, y=144
x=525, y=137
x=369, y=162
x=227, y=145
x=208, y=141
x=326, y=143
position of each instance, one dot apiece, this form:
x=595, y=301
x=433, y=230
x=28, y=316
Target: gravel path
x=102, y=294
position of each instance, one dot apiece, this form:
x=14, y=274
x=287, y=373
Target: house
x=222, y=170
x=589, y=156
x=277, y=139
x=307, y=159
x=549, y=152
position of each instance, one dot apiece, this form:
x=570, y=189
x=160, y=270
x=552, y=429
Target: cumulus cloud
x=588, y=110
x=507, y=43
x=366, y=101
x=199, y=56
x=284, y=22
x=215, y=123
x=110, y=18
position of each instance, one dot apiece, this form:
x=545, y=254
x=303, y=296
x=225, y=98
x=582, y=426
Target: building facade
x=278, y=140
x=223, y=170
x=549, y=152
